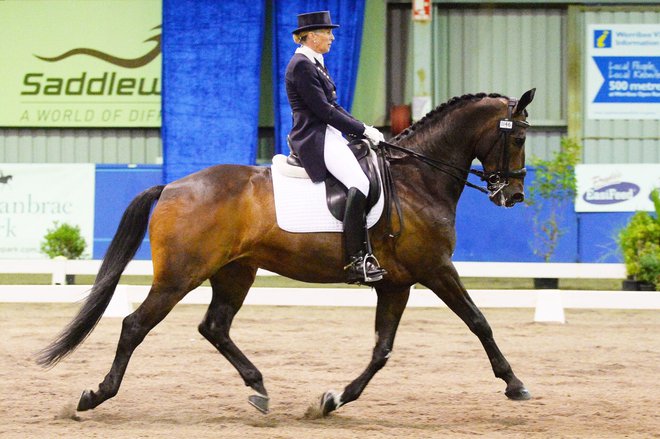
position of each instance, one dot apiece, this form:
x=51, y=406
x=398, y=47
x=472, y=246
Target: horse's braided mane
x=442, y=109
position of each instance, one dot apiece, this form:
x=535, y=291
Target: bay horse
x=219, y=224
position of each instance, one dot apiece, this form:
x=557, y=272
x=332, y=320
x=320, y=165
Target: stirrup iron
x=364, y=269
x=377, y=273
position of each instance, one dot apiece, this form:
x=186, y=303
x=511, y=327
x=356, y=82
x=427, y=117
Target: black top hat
x=314, y=20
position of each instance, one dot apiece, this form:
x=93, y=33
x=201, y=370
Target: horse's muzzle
x=518, y=197
x=508, y=196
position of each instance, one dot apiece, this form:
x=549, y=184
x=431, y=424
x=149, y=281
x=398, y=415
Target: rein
x=496, y=180
x=435, y=163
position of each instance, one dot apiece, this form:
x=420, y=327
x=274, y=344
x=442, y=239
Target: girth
x=335, y=191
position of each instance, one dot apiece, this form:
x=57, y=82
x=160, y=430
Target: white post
x=549, y=307
x=120, y=305
x=59, y=270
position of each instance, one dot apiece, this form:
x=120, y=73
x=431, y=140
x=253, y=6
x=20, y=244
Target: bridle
x=495, y=180
x=498, y=180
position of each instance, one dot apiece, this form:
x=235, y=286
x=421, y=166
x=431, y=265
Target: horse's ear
x=525, y=100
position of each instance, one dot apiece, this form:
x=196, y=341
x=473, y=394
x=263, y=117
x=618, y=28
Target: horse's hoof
x=330, y=401
x=519, y=394
x=260, y=402
x=85, y=402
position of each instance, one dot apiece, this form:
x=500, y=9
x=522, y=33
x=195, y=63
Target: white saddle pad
x=300, y=204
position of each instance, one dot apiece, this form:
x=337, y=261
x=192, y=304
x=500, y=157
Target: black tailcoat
x=313, y=99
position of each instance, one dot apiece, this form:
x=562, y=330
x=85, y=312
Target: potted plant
x=64, y=240
x=639, y=241
x=553, y=188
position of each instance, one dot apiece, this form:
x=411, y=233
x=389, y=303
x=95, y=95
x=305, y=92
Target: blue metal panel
x=486, y=232
x=116, y=186
x=598, y=232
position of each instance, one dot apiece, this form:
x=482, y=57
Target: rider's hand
x=373, y=134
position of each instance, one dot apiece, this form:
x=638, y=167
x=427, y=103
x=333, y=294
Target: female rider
x=316, y=137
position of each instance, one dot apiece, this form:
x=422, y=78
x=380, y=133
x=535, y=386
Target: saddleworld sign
x=83, y=63
x=623, y=71
x=616, y=188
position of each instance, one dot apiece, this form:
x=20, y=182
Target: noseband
x=498, y=180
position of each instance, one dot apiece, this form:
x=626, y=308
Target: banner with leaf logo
x=80, y=63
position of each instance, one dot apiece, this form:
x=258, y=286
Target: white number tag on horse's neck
x=506, y=124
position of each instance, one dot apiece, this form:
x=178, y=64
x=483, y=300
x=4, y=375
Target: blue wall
x=485, y=232
x=597, y=236
x=116, y=186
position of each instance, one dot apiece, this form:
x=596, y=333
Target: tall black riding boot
x=361, y=267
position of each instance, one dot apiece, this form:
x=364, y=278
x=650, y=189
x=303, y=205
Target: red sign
x=422, y=10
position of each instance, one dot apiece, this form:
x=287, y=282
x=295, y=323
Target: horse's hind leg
x=450, y=289
x=230, y=286
x=389, y=310
x=135, y=327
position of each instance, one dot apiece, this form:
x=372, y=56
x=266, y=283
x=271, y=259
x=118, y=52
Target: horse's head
x=502, y=153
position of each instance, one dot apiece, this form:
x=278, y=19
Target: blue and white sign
x=623, y=71
x=616, y=187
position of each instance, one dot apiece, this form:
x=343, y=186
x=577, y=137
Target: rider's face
x=320, y=40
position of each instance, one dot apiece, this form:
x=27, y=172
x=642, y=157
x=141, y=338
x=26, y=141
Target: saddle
x=336, y=192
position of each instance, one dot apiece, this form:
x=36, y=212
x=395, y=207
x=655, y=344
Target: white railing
x=59, y=268
x=549, y=304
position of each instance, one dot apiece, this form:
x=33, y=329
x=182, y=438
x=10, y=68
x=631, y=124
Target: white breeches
x=341, y=162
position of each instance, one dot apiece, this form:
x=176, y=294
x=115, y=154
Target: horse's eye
x=519, y=141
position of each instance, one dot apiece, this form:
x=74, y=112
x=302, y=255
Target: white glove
x=373, y=134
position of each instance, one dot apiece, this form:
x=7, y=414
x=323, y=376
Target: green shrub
x=554, y=185
x=555, y=177
x=63, y=240
x=639, y=241
x=649, y=266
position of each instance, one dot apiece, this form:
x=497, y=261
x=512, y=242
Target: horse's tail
x=127, y=240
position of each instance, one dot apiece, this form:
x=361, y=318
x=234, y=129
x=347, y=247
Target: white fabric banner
x=616, y=187
x=34, y=196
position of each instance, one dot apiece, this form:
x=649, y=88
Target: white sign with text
x=35, y=196
x=616, y=187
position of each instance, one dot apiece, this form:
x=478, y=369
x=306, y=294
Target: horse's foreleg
x=134, y=328
x=230, y=286
x=452, y=292
x=389, y=310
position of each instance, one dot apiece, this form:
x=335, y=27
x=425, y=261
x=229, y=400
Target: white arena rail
x=549, y=304
x=58, y=268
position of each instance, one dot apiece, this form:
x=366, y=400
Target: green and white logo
x=83, y=63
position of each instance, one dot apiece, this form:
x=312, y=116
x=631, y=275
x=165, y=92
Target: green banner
x=80, y=63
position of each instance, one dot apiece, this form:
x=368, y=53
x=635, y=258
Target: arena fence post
x=59, y=270
x=549, y=307
x=120, y=305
